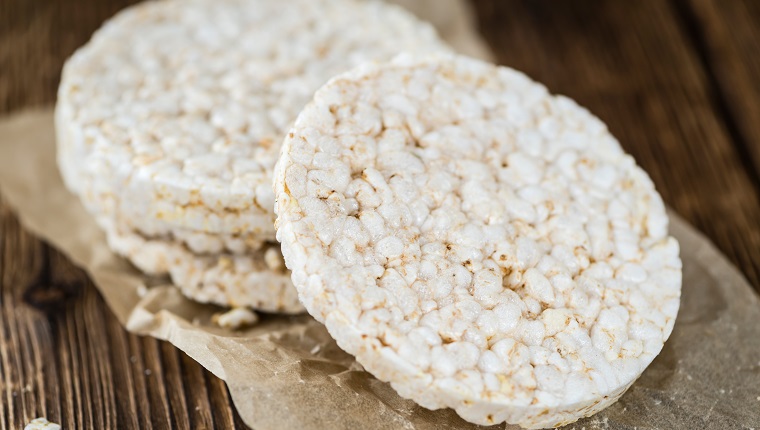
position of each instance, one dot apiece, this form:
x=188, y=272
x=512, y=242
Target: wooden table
x=677, y=81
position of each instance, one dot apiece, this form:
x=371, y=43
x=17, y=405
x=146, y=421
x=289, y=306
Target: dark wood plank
x=124, y=362
x=634, y=65
x=175, y=389
x=154, y=372
x=728, y=37
x=18, y=386
x=198, y=400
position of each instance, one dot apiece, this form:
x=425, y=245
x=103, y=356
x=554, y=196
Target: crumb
x=42, y=424
x=235, y=318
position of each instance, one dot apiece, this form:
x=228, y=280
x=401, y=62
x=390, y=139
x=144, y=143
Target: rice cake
x=257, y=280
x=175, y=111
x=198, y=242
x=475, y=241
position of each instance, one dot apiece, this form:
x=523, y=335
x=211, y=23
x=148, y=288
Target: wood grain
x=677, y=82
x=63, y=355
x=728, y=36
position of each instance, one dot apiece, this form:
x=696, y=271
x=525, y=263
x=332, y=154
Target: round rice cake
x=258, y=280
x=176, y=109
x=475, y=241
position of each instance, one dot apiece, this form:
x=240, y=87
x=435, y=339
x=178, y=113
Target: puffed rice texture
x=257, y=280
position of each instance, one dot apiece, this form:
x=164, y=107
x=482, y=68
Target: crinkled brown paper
x=286, y=372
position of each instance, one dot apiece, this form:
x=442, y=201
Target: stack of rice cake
x=169, y=122
x=473, y=240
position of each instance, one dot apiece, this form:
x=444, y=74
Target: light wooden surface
x=678, y=82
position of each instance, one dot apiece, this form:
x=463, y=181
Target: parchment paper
x=286, y=372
